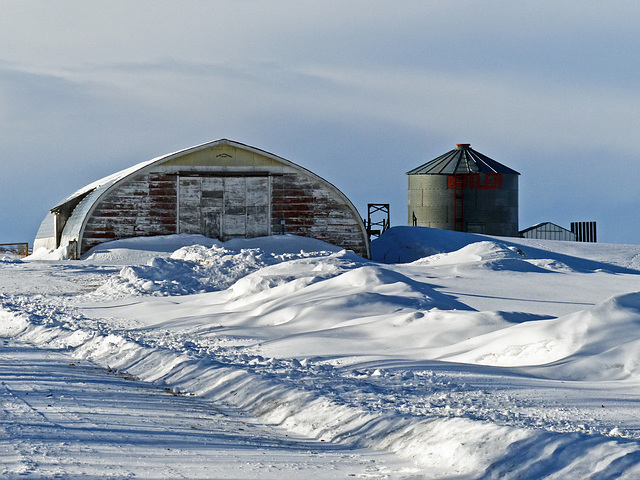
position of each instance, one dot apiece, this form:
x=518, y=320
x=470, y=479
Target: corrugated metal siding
x=489, y=211
x=46, y=236
x=462, y=160
x=548, y=231
x=73, y=226
x=47, y=228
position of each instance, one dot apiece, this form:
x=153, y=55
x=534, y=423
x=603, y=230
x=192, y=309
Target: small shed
x=548, y=231
x=221, y=189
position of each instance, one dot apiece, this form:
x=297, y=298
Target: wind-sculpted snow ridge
x=194, y=269
x=479, y=361
x=493, y=256
x=434, y=419
x=597, y=344
x=408, y=244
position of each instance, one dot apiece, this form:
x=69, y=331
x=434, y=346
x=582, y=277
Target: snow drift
x=404, y=357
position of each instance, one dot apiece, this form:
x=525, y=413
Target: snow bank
x=408, y=244
x=327, y=344
x=493, y=256
x=197, y=269
x=596, y=344
x=447, y=447
x=43, y=253
x=141, y=250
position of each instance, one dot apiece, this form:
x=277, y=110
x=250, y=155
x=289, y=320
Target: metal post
x=384, y=223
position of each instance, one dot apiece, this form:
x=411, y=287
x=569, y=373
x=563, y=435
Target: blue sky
x=357, y=91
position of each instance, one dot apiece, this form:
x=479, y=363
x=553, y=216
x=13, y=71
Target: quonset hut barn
x=222, y=189
x=466, y=191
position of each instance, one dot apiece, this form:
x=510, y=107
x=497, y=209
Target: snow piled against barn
x=471, y=356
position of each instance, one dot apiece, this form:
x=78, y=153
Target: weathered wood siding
x=223, y=202
x=220, y=189
x=142, y=206
x=311, y=210
x=224, y=207
x=258, y=202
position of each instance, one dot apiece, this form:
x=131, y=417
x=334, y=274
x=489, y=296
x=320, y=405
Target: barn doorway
x=224, y=207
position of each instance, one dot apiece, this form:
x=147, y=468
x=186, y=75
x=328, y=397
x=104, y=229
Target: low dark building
x=580, y=232
x=548, y=231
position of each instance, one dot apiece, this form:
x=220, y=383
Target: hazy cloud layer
x=359, y=92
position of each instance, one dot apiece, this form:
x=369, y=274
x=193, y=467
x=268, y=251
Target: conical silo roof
x=461, y=160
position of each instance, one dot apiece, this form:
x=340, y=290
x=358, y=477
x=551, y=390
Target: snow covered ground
x=476, y=357
x=76, y=420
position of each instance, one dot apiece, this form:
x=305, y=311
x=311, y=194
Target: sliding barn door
x=224, y=207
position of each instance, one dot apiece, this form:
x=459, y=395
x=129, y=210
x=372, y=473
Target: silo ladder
x=458, y=203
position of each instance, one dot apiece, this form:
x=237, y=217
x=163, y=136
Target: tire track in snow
x=442, y=446
x=67, y=418
x=15, y=457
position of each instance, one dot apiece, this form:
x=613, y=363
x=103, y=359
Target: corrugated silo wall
x=489, y=206
x=431, y=201
x=493, y=211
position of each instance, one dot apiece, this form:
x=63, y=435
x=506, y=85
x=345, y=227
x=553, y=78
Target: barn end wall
x=150, y=202
x=46, y=235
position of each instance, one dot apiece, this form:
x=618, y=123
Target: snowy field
x=450, y=355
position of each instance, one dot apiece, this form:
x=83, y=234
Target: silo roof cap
x=462, y=159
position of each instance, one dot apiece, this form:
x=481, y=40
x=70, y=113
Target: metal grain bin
x=466, y=191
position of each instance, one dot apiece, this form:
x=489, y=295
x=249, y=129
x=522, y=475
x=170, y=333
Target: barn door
x=200, y=205
x=258, y=206
x=234, y=220
x=224, y=207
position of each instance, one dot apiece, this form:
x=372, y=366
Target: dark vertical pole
x=458, y=203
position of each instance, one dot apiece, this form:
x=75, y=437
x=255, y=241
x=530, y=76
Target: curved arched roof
x=79, y=206
x=461, y=160
x=106, y=182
